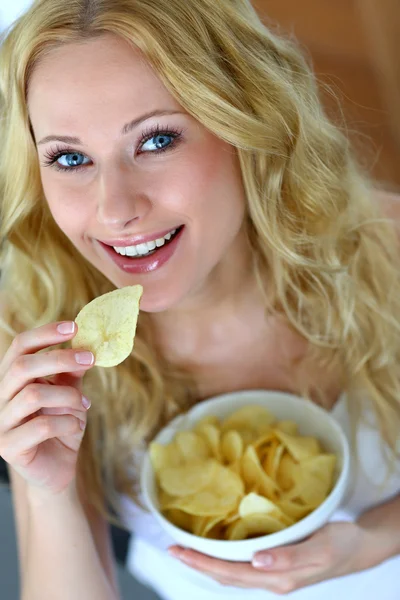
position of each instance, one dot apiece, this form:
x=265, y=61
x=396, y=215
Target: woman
x=182, y=146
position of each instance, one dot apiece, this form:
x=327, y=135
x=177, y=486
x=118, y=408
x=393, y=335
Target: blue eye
x=158, y=139
x=72, y=160
x=64, y=159
x=159, y=142
x=153, y=141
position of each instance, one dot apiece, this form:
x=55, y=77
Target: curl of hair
x=323, y=255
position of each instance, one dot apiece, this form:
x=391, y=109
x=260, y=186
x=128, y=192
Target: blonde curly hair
x=329, y=257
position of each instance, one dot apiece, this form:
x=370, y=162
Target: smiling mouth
x=148, y=248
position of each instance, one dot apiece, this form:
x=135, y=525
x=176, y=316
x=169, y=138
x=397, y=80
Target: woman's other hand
x=335, y=550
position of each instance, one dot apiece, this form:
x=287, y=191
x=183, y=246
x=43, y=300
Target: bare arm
x=383, y=526
x=64, y=545
x=61, y=559
x=23, y=514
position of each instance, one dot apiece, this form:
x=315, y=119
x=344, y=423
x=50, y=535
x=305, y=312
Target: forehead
x=76, y=84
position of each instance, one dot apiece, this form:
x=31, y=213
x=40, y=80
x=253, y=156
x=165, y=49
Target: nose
x=121, y=199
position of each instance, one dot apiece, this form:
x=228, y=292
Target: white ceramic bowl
x=311, y=420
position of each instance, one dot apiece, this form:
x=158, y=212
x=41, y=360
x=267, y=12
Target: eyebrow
x=127, y=128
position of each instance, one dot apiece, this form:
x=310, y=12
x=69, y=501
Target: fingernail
x=84, y=358
x=82, y=424
x=185, y=558
x=66, y=328
x=263, y=561
x=86, y=403
x=175, y=552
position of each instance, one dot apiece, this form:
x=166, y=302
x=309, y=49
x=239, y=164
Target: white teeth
x=141, y=248
x=144, y=249
x=131, y=251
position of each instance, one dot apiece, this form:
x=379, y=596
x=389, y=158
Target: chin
x=160, y=293
x=161, y=300
x=158, y=297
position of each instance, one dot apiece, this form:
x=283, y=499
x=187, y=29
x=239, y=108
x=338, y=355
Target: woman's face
x=117, y=175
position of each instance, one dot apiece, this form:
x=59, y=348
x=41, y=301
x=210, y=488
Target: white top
x=149, y=562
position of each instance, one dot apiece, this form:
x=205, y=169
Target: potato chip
x=217, y=532
x=165, y=500
x=300, y=447
x=199, y=523
x=220, y=497
x=192, y=446
x=253, y=504
x=203, y=525
x=263, y=442
x=211, y=434
x=255, y=418
x=321, y=466
x=255, y=477
x=252, y=526
x=165, y=456
x=211, y=420
x=187, y=479
x=249, y=436
x=286, y=473
x=273, y=458
x=231, y=447
x=289, y=427
x=236, y=467
x=237, y=530
x=294, y=510
x=180, y=519
x=230, y=518
x=260, y=524
x=313, y=480
x=107, y=325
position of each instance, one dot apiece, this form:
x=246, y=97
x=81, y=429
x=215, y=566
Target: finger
x=293, y=556
x=37, y=339
x=37, y=396
x=26, y=368
x=215, y=567
x=241, y=574
x=72, y=379
x=18, y=442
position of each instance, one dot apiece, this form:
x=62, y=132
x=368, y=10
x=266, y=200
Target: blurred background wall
x=355, y=49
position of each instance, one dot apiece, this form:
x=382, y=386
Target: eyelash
x=54, y=154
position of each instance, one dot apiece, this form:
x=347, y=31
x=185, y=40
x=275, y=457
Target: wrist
x=40, y=497
x=379, y=543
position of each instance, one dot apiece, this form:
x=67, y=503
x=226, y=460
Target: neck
x=229, y=295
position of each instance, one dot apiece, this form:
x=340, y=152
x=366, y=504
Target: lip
x=137, y=239
x=145, y=264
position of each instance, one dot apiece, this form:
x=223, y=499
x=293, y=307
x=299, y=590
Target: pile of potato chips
x=245, y=476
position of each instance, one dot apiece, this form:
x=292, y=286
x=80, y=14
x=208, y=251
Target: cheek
x=220, y=191
x=67, y=210
x=207, y=185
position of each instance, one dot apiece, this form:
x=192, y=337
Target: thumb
x=288, y=557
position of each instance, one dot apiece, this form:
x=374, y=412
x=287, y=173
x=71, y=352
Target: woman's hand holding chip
x=335, y=550
x=42, y=410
